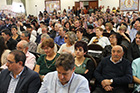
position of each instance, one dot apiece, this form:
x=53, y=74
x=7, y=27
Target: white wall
x=31, y=9
x=2, y=3
x=66, y=3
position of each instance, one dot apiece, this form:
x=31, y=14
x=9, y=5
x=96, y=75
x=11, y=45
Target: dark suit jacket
x=133, y=51
x=29, y=81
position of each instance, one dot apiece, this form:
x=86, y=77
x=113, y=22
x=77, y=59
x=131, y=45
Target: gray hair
x=66, y=60
x=24, y=43
x=71, y=36
x=45, y=35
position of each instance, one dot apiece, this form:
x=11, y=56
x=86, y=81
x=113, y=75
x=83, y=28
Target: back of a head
x=66, y=60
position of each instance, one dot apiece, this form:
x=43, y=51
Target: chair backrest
x=88, y=56
x=95, y=50
x=96, y=47
x=37, y=55
x=106, y=34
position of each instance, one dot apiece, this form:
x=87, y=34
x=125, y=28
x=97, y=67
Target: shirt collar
x=11, y=74
x=115, y=62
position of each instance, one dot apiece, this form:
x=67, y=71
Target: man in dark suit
x=18, y=78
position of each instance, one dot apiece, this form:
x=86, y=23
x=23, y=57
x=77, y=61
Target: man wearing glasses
x=18, y=78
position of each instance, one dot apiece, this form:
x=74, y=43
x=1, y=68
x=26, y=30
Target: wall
x=31, y=9
x=34, y=6
x=111, y=3
x=66, y=3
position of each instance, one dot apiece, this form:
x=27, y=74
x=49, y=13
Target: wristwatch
x=111, y=80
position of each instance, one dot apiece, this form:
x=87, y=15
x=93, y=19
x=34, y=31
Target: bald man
x=30, y=58
x=114, y=73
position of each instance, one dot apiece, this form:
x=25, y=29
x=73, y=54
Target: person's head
x=44, y=36
x=99, y=31
x=65, y=67
x=79, y=32
x=108, y=26
x=67, y=24
x=14, y=30
x=90, y=29
x=2, y=45
x=29, y=28
x=77, y=23
x=44, y=29
x=138, y=38
x=117, y=53
x=80, y=48
x=22, y=46
x=122, y=29
x=138, y=27
x=136, y=23
x=15, y=60
x=42, y=24
x=57, y=26
x=25, y=36
x=6, y=34
x=114, y=39
x=62, y=31
x=48, y=46
x=70, y=37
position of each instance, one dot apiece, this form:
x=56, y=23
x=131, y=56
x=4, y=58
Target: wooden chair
x=92, y=81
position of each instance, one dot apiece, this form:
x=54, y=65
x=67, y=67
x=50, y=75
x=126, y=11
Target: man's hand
x=108, y=88
x=106, y=82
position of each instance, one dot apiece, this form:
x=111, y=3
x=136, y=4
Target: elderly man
x=30, y=58
x=18, y=78
x=114, y=73
x=64, y=80
x=32, y=45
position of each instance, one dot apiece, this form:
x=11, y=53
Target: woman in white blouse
x=99, y=38
x=69, y=39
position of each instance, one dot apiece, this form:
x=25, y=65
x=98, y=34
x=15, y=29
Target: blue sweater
x=121, y=73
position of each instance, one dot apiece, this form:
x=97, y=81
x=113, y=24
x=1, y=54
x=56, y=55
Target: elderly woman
x=46, y=62
x=99, y=38
x=84, y=65
x=69, y=39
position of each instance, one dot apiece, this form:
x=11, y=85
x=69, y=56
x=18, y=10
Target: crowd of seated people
x=72, y=31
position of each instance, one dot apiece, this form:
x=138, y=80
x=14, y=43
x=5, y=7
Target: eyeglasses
x=112, y=37
x=66, y=37
x=18, y=48
x=9, y=61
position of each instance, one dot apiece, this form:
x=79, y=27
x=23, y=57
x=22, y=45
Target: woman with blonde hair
x=108, y=28
x=69, y=39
